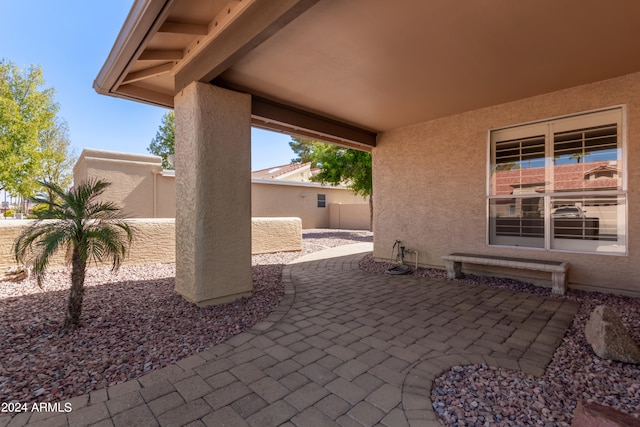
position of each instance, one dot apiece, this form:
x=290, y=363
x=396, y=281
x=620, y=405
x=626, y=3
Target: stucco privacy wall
x=164, y=197
x=275, y=235
x=144, y=190
x=138, y=183
x=431, y=178
x=155, y=239
x=154, y=242
x=271, y=199
x=132, y=177
x=350, y=216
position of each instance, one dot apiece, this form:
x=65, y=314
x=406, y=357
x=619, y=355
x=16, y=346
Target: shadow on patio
x=344, y=347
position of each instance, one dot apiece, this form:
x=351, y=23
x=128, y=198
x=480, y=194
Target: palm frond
x=108, y=240
x=78, y=220
x=55, y=189
x=88, y=228
x=103, y=210
x=39, y=243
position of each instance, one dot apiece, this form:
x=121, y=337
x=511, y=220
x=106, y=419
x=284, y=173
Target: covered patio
x=421, y=85
x=439, y=92
x=345, y=347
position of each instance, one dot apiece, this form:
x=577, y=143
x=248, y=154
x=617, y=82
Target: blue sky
x=71, y=39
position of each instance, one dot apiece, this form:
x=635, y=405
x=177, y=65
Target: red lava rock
x=133, y=322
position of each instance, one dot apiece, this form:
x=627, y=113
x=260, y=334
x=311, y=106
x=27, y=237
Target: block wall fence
x=155, y=240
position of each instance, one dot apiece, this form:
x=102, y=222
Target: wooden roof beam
x=146, y=95
x=182, y=28
x=239, y=31
x=161, y=55
x=148, y=72
x=283, y=118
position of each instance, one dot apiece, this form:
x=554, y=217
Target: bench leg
x=454, y=270
x=559, y=283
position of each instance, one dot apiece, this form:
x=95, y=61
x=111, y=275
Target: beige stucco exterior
x=154, y=242
x=350, y=216
x=275, y=235
x=213, y=190
x=422, y=103
x=431, y=178
x=144, y=190
x=287, y=198
x=155, y=239
x=138, y=183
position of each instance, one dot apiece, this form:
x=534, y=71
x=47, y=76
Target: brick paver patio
x=344, y=348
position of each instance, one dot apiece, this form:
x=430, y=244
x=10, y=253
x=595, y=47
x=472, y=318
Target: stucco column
x=213, y=194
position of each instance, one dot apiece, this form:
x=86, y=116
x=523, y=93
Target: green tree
x=87, y=229
x=57, y=159
x=27, y=112
x=303, y=147
x=338, y=165
x=164, y=142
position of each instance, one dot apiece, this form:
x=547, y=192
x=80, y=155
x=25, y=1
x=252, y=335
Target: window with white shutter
x=559, y=184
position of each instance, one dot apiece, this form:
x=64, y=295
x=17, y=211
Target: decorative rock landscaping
x=479, y=395
x=133, y=323
x=404, y=343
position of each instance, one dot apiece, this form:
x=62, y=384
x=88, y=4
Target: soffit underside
x=379, y=65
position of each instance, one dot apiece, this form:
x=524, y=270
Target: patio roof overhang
x=344, y=71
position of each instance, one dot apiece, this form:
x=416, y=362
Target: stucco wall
x=154, y=242
x=9, y=232
x=276, y=235
x=165, y=202
x=274, y=200
x=430, y=181
x=144, y=190
x=350, y=216
x=155, y=239
x=131, y=177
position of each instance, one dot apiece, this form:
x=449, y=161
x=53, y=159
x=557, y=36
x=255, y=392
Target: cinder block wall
x=155, y=239
x=270, y=235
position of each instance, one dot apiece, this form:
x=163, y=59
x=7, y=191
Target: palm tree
x=86, y=228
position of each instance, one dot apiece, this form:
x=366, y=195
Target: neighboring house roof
x=577, y=176
x=294, y=174
x=291, y=172
x=281, y=172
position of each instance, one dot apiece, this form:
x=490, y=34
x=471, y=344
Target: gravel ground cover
x=132, y=322
x=480, y=395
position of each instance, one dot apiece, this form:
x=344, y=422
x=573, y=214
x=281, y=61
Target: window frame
x=322, y=200
x=549, y=195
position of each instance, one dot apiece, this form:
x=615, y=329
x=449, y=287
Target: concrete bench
x=557, y=269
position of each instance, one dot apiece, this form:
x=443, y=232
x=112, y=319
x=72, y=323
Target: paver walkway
x=344, y=348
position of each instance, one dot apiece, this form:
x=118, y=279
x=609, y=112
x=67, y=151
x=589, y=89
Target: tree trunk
x=74, y=306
